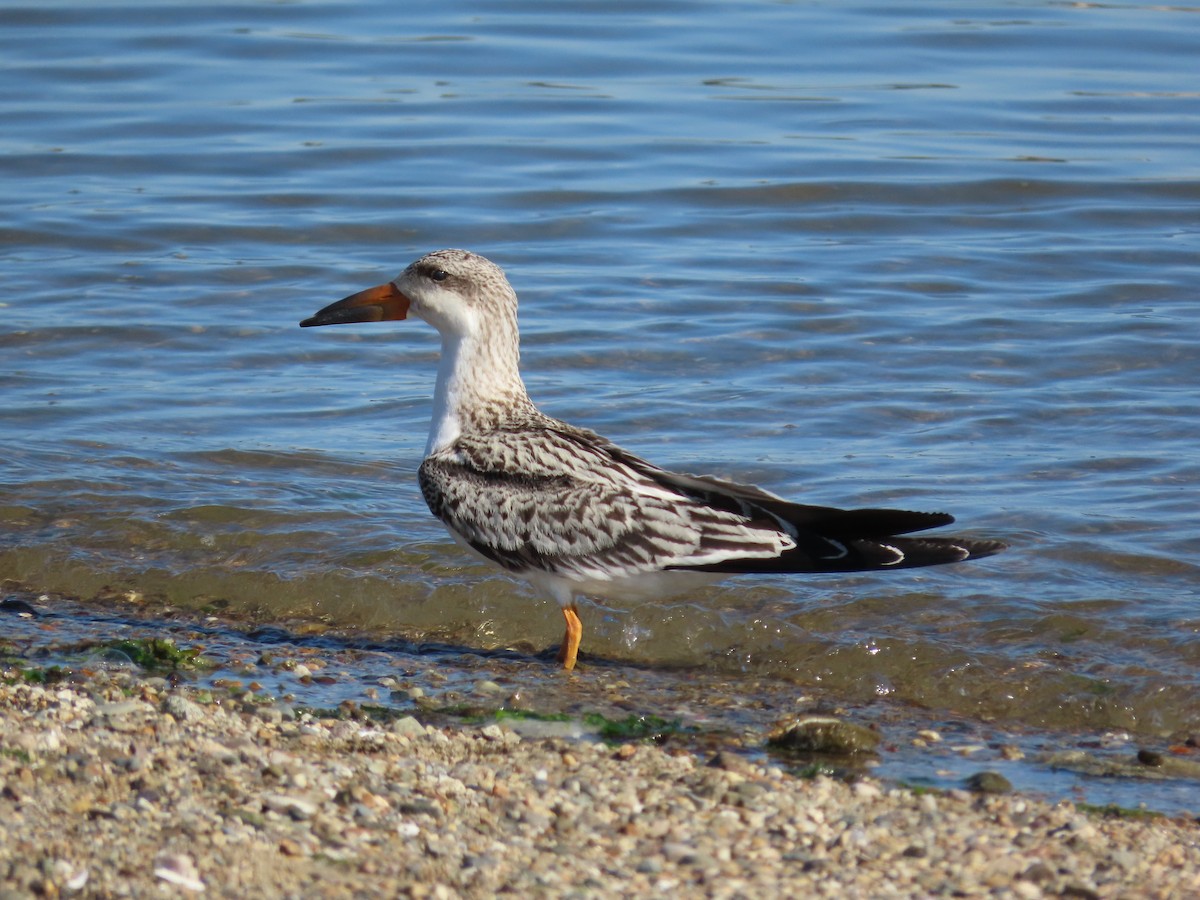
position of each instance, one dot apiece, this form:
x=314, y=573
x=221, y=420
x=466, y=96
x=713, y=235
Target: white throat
x=478, y=382
x=446, y=425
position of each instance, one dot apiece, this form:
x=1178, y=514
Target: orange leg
x=570, y=645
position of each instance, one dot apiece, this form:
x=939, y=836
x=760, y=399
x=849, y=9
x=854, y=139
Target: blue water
x=936, y=256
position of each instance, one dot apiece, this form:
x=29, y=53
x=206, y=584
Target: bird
x=574, y=514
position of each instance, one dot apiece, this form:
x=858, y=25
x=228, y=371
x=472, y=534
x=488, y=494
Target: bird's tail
x=855, y=540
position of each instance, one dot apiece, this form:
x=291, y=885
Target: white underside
x=646, y=586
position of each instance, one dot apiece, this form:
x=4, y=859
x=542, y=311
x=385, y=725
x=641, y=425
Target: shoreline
x=118, y=784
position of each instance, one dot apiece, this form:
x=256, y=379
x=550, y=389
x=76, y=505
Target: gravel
x=127, y=786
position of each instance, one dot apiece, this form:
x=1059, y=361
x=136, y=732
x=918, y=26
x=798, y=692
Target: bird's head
x=455, y=291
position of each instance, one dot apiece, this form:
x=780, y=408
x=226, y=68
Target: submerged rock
x=989, y=783
x=823, y=734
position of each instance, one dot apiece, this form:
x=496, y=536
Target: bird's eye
x=438, y=275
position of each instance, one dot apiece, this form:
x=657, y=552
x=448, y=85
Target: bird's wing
x=825, y=538
x=559, y=500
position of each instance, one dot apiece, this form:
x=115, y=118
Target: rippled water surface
x=935, y=256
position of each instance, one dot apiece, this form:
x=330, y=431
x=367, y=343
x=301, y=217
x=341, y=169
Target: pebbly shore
x=122, y=784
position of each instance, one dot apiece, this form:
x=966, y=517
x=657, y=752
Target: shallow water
x=858, y=254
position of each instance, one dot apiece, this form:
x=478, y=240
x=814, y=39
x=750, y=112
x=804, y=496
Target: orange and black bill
x=381, y=303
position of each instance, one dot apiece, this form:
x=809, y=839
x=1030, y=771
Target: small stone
x=179, y=870
x=123, y=708
x=1124, y=859
x=1150, y=758
x=678, y=852
x=989, y=783
x=76, y=881
x=730, y=762
x=408, y=727
x=418, y=808
x=296, y=807
x=183, y=709
x=492, y=732
x=867, y=790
